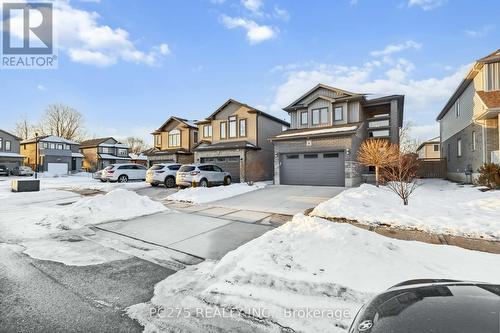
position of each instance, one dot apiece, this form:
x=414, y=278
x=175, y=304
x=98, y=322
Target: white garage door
x=58, y=168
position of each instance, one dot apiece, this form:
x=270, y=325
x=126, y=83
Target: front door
x=73, y=164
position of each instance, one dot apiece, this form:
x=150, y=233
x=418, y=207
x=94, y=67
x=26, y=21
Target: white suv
x=162, y=174
x=122, y=173
x=202, y=175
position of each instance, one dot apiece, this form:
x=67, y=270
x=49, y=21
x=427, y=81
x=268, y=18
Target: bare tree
x=24, y=129
x=400, y=176
x=377, y=153
x=63, y=121
x=407, y=144
x=136, y=145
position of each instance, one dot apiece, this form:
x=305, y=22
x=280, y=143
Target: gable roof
x=94, y=142
x=252, y=109
x=469, y=77
x=50, y=138
x=435, y=140
x=324, y=86
x=189, y=123
x=15, y=136
x=490, y=98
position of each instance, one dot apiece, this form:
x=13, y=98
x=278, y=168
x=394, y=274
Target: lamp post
x=36, y=155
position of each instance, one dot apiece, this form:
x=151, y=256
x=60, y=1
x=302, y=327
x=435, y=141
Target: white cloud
x=424, y=132
x=281, y=13
x=481, y=32
x=253, y=5
x=41, y=87
x=424, y=98
x=426, y=4
x=87, y=41
x=255, y=33
x=394, y=48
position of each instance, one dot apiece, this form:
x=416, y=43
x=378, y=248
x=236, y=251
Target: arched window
x=174, y=138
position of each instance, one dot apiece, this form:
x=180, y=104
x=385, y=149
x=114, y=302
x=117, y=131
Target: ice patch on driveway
x=116, y=205
x=208, y=194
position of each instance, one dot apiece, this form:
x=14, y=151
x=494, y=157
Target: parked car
x=424, y=306
x=162, y=174
x=22, y=171
x=202, y=175
x=4, y=171
x=98, y=175
x=122, y=173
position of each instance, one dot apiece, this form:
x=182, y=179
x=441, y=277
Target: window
x=310, y=155
x=457, y=108
x=378, y=123
x=339, y=113
x=158, y=140
x=292, y=157
x=122, y=152
x=207, y=131
x=459, y=147
x=320, y=116
x=473, y=140
x=379, y=133
x=175, y=167
x=223, y=130
x=60, y=146
x=217, y=169
x=8, y=145
x=67, y=147
x=448, y=153
x=52, y=146
x=331, y=155
x=232, y=127
x=315, y=117
x=492, y=76
x=303, y=118
x=243, y=127
x=1, y=143
x=436, y=147
x=195, y=137
x=174, y=138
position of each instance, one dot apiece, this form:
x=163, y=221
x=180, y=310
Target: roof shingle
x=490, y=98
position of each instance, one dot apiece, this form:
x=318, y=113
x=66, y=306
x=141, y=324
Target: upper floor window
x=8, y=145
x=195, y=136
x=52, y=145
x=320, y=116
x=492, y=76
x=459, y=147
x=207, y=131
x=158, y=140
x=378, y=123
x=473, y=140
x=457, y=108
x=174, y=138
x=1, y=143
x=232, y=126
x=379, y=134
x=243, y=127
x=107, y=150
x=303, y=118
x=60, y=146
x=122, y=152
x=223, y=130
x=338, y=113
x=436, y=147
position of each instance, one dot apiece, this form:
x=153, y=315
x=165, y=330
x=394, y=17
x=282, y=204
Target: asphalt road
x=45, y=296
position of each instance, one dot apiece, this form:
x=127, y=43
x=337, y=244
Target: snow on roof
x=320, y=131
x=53, y=138
x=77, y=155
x=117, y=145
x=113, y=157
x=139, y=157
x=3, y=154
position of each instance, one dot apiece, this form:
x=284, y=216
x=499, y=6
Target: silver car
x=22, y=171
x=202, y=175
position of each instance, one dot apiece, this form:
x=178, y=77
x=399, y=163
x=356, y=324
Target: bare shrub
x=401, y=176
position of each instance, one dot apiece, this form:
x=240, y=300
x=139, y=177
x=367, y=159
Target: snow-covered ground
x=436, y=206
x=49, y=224
x=208, y=194
x=307, y=264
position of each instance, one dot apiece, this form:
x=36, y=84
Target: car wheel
x=227, y=181
x=169, y=182
x=203, y=183
x=154, y=184
x=103, y=180
x=123, y=179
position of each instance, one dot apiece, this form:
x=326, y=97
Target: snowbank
x=116, y=205
x=309, y=263
x=209, y=194
x=437, y=206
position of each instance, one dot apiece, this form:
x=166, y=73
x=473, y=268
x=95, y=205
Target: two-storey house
x=430, y=149
x=327, y=127
x=9, y=150
x=468, y=123
x=235, y=137
x=52, y=154
x=101, y=152
x=174, y=142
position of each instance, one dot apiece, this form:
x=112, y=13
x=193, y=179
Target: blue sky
x=129, y=65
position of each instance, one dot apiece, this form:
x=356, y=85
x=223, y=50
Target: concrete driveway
x=281, y=199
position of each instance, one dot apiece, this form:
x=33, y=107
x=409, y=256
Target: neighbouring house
x=468, y=122
x=101, y=152
x=236, y=138
x=55, y=154
x=429, y=149
x=327, y=127
x=10, y=150
x=138, y=159
x=174, y=142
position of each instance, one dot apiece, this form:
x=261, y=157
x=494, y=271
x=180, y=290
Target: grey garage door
x=313, y=169
x=230, y=164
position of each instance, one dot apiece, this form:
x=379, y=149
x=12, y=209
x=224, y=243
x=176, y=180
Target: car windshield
x=2, y=167
x=186, y=168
